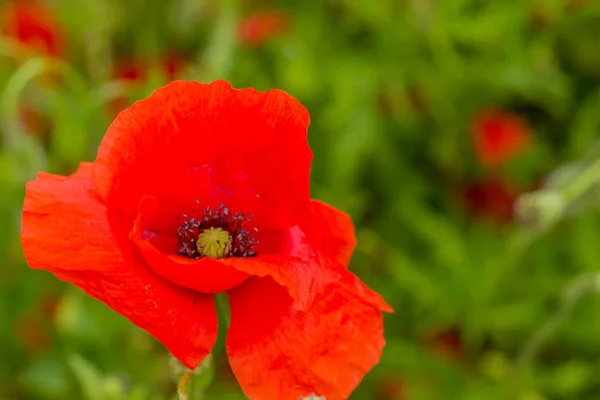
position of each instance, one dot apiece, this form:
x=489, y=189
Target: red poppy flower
x=32, y=24
x=490, y=199
x=257, y=28
x=499, y=136
x=201, y=189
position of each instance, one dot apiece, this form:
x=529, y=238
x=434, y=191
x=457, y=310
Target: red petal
x=66, y=230
x=277, y=352
x=205, y=275
x=363, y=291
x=136, y=69
x=208, y=275
x=490, y=199
x=152, y=235
x=302, y=279
x=499, y=136
x=304, y=272
x=244, y=141
x=289, y=264
x=332, y=232
x=33, y=25
x=261, y=26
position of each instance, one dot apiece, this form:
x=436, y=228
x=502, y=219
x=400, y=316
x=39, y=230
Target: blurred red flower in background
x=33, y=25
x=33, y=332
x=393, y=386
x=574, y=5
x=201, y=189
x=34, y=121
x=33, y=328
x=499, y=136
x=255, y=29
x=490, y=199
x=136, y=71
x=446, y=343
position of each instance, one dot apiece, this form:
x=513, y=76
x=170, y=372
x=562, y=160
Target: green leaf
x=88, y=377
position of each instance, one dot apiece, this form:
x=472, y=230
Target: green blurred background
x=430, y=121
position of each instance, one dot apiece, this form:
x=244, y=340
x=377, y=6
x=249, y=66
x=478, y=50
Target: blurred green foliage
x=485, y=309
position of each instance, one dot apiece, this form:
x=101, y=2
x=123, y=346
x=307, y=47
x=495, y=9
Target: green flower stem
x=110, y=91
x=19, y=80
x=573, y=292
x=522, y=240
x=588, y=178
x=11, y=48
x=182, y=386
x=223, y=308
x=570, y=297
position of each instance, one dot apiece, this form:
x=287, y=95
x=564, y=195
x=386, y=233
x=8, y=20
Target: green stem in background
x=584, y=182
x=570, y=297
x=12, y=92
x=182, y=386
x=549, y=205
x=12, y=48
x=219, y=56
x=202, y=375
x=581, y=286
x=110, y=91
x=26, y=146
x=543, y=209
x=27, y=72
x=23, y=145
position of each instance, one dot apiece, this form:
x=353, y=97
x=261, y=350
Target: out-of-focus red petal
x=499, y=136
x=446, y=343
x=32, y=24
x=246, y=141
x=278, y=352
x=393, y=386
x=491, y=200
x=257, y=28
x=66, y=230
x=136, y=69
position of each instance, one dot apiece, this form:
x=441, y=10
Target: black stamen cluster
x=240, y=235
